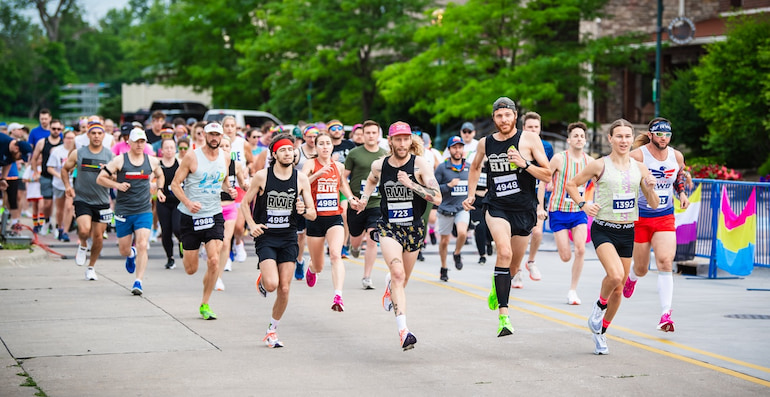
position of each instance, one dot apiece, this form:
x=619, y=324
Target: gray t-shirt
x=205, y=184
x=452, y=197
x=88, y=167
x=136, y=200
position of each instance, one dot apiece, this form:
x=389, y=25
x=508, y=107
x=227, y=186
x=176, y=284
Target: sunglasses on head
x=661, y=134
x=335, y=128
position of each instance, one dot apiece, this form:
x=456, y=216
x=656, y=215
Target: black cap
x=126, y=128
x=503, y=103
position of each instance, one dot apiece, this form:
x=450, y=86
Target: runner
x=656, y=227
x=91, y=201
x=618, y=179
x=342, y=147
x=202, y=171
x=229, y=209
x=64, y=207
x=452, y=177
x=358, y=164
x=326, y=184
x=40, y=157
x=306, y=151
x=130, y=174
x=240, y=151
x=514, y=160
x=407, y=184
x=168, y=211
x=564, y=214
x=279, y=194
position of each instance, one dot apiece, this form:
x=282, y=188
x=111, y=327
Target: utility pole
x=656, y=83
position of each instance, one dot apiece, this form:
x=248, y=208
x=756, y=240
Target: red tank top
x=326, y=191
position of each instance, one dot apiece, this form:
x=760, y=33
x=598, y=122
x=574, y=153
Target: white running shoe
x=91, y=274
x=271, y=339
x=517, y=281
x=600, y=340
x=154, y=236
x=572, y=298
x=80, y=257
x=88, y=244
x=228, y=265
x=240, y=253
x=219, y=286
x=367, y=283
x=595, y=319
x=44, y=230
x=534, y=272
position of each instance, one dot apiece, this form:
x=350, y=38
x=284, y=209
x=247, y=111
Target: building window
x=736, y=3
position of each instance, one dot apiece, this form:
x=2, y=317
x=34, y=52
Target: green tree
x=732, y=93
x=529, y=51
x=676, y=105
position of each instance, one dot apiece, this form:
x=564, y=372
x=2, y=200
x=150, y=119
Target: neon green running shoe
x=207, y=313
x=492, y=299
x=505, y=327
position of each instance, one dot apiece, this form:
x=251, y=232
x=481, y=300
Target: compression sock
x=502, y=285
x=665, y=290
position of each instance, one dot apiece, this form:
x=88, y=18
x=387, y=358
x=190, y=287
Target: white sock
x=140, y=281
x=273, y=324
x=665, y=290
x=338, y=292
x=133, y=253
x=401, y=322
x=632, y=275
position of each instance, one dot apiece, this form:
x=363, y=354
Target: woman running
x=168, y=214
x=229, y=212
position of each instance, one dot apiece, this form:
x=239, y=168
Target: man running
x=358, y=164
x=91, y=201
x=407, y=184
x=203, y=173
x=281, y=193
x=516, y=160
x=129, y=174
x=656, y=226
x=40, y=156
x=452, y=178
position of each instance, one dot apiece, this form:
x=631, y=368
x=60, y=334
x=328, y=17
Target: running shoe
x=181, y=251
x=260, y=288
x=432, y=235
x=80, y=256
x=355, y=252
x=271, y=339
x=36, y=229
x=344, y=252
x=387, y=303
x=337, y=305
x=490, y=251
x=444, y=276
x=299, y=270
x=91, y=274
x=137, y=288
x=420, y=257
x=600, y=340
x=572, y=298
x=64, y=237
x=534, y=272
x=517, y=281
x=56, y=232
x=505, y=327
x=229, y=265
x=628, y=287
x=240, y=252
x=595, y=319
x=154, y=236
x=170, y=263
x=458, y=261
x=131, y=261
x=219, y=285
x=45, y=229
x=492, y=298
x=207, y=313
x=367, y=283
x=89, y=243
x=310, y=277
x=666, y=324
x=482, y=260
x=408, y=340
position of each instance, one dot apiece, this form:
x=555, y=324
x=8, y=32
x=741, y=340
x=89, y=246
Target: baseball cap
x=126, y=128
x=137, y=124
x=296, y=132
x=503, y=103
x=468, y=126
x=399, y=128
x=25, y=148
x=213, y=127
x=14, y=126
x=137, y=134
x=191, y=120
x=454, y=141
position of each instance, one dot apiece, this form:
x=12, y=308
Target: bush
x=714, y=171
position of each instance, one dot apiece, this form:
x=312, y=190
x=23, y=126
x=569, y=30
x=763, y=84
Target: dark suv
x=174, y=108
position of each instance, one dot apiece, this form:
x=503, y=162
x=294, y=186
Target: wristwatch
x=528, y=164
x=581, y=204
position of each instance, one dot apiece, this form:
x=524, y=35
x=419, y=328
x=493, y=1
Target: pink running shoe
x=666, y=324
x=628, y=288
x=337, y=306
x=310, y=277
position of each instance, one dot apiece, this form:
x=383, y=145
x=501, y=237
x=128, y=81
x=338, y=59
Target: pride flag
x=737, y=236
x=687, y=226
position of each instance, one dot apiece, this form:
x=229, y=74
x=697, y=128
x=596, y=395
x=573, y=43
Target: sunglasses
x=335, y=128
x=662, y=134
x=56, y=129
x=467, y=131
x=183, y=147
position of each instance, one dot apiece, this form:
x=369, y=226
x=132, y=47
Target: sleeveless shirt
x=136, y=200
x=510, y=190
x=617, y=191
x=399, y=205
x=325, y=190
x=205, y=184
x=276, y=207
x=665, y=173
x=88, y=167
x=560, y=200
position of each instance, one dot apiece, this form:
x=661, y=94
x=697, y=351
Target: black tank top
x=399, y=204
x=47, y=146
x=168, y=176
x=225, y=196
x=276, y=207
x=509, y=189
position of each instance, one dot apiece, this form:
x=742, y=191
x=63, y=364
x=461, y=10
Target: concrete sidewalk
x=93, y=338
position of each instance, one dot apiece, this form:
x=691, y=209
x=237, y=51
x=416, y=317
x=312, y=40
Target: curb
x=22, y=257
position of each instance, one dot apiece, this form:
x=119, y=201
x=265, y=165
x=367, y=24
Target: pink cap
x=399, y=128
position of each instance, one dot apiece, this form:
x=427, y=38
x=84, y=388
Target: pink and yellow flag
x=737, y=236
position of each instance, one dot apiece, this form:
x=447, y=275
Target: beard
x=210, y=145
x=659, y=146
x=509, y=128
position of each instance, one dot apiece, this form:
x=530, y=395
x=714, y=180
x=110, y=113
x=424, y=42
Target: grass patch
x=14, y=246
x=31, y=123
x=29, y=382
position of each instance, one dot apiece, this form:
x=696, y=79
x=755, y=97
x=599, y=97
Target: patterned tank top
x=560, y=200
x=617, y=192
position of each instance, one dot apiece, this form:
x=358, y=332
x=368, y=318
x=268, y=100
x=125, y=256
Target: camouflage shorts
x=411, y=237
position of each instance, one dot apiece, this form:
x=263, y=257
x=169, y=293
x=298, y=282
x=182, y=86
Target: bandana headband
x=281, y=143
x=661, y=126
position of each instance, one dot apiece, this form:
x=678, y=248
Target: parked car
x=173, y=108
x=244, y=118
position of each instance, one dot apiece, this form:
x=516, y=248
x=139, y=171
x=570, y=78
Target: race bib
x=568, y=199
x=623, y=203
x=376, y=191
x=461, y=189
x=326, y=202
x=506, y=185
x=482, y=180
x=203, y=223
x=400, y=212
x=105, y=216
x=664, y=197
x=278, y=219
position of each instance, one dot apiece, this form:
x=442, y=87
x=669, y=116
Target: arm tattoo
x=427, y=192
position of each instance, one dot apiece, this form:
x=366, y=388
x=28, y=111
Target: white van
x=244, y=118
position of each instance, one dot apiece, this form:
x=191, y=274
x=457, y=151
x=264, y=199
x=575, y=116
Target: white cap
x=137, y=124
x=137, y=134
x=14, y=126
x=214, y=127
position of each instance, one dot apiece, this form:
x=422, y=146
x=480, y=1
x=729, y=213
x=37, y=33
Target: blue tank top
x=665, y=174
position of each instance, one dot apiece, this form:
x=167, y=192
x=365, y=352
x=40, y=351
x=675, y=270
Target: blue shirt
x=37, y=134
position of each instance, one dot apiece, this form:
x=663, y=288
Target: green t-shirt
x=359, y=163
